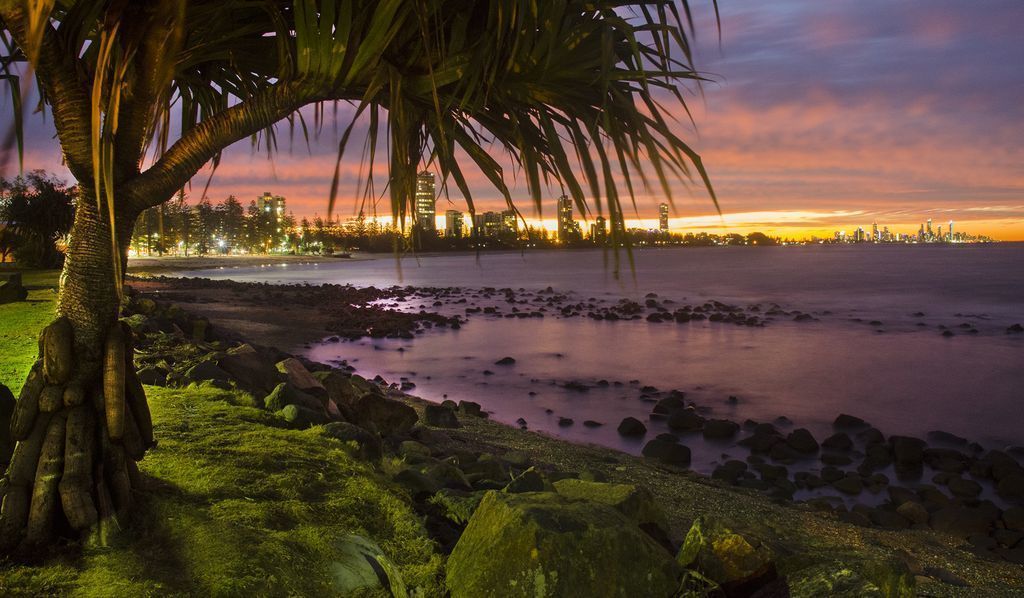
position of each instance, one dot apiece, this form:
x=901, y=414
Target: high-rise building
x=599, y=231
x=950, y=230
x=874, y=232
x=488, y=224
x=929, y=231
x=509, y=223
x=268, y=203
x=566, y=225
x=663, y=217
x=453, y=224
x=425, y=198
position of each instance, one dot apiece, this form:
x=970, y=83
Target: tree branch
x=67, y=94
x=199, y=145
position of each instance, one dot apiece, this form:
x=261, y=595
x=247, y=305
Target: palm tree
x=572, y=90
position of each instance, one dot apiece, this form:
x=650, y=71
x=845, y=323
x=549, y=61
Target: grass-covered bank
x=21, y=322
x=233, y=503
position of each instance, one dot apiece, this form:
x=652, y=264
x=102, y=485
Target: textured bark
x=27, y=407
x=76, y=485
x=45, y=508
x=56, y=340
x=51, y=399
x=113, y=382
x=69, y=472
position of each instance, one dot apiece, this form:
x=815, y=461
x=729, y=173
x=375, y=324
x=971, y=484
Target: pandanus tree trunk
x=81, y=420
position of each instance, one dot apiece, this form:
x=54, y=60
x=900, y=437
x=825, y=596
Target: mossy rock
x=739, y=563
x=635, y=502
x=361, y=565
x=542, y=544
x=831, y=579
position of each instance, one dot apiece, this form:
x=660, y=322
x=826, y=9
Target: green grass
x=20, y=324
x=233, y=504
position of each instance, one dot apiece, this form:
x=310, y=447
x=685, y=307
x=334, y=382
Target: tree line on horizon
x=37, y=209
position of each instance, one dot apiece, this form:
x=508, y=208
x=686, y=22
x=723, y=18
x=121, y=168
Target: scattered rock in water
x=1015, y=329
x=543, y=544
x=565, y=422
x=845, y=421
x=631, y=426
x=720, y=428
x=667, y=452
x=686, y=420
x=840, y=441
x=505, y=361
x=802, y=441
x=589, y=423
x=907, y=450
x=521, y=422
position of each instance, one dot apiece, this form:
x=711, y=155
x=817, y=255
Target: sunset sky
x=822, y=116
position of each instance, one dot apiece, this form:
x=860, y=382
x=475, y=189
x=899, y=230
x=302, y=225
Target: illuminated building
x=268, y=203
x=568, y=229
x=425, y=210
x=663, y=217
x=599, y=231
x=874, y=233
x=453, y=223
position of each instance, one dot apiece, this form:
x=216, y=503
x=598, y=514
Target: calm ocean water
x=902, y=374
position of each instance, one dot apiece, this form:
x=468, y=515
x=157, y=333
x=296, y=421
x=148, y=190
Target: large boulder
x=538, y=545
x=253, y=372
x=206, y=370
x=686, y=420
x=907, y=450
x=802, y=441
x=440, y=416
x=386, y=416
x=635, y=502
x=286, y=394
x=739, y=563
x=299, y=377
x=342, y=392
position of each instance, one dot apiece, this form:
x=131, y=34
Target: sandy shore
x=170, y=264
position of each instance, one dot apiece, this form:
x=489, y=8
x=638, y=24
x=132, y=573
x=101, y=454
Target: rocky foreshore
x=464, y=472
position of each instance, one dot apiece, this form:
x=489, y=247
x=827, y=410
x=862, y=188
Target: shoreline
x=266, y=326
